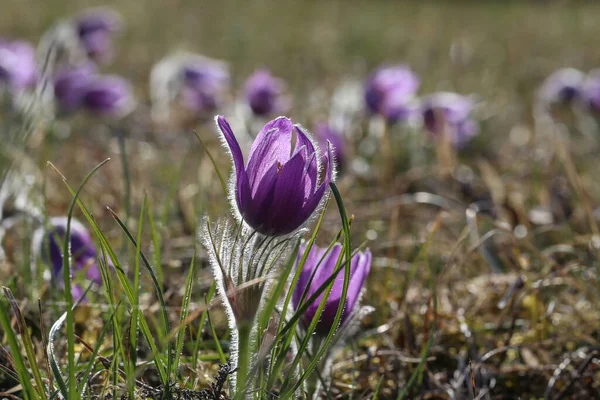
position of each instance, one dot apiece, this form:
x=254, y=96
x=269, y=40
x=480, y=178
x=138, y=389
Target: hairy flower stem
x=244, y=359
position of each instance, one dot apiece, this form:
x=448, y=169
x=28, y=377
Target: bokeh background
x=535, y=311
x=501, y=50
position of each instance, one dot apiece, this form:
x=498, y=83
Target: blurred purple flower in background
x=322, y=266
x=205, y=84
x=95, y=28
x=325, y=132
x=389, y=91
x=277, y=191
x=70, y=85
x=450, y=113
x=562, y=87
x=265, y=93
x=186, y=88
x=17, y=64
x=108, y=95
x=80, y=87
x=83, y=251
x=591, y=90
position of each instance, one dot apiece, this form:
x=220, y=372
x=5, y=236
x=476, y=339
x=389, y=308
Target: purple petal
x=361, y=265
x=258, y=208
x=272, y=145
x=359, y=269
x=243, y=196
x=287, y=214
x=324, y=271
x=232, y=143
x=303, y=139
x=312, y=262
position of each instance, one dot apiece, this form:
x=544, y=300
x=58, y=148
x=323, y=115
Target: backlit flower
x=278, y=190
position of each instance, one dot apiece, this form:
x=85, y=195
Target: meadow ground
x=485, y=274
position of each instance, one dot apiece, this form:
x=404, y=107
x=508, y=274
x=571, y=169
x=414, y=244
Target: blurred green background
x=499, y=49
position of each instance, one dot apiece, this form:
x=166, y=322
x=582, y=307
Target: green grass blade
x=216, y=339
x=29, y=392
x=157, y=287
x=185, y=308
x=27, y=343
x=90, y=365
x=378, y=388
x=208, y=298
x=156, y=243
x=124, y=281
x=133, y=328
x=62, y=385
x=73, y=394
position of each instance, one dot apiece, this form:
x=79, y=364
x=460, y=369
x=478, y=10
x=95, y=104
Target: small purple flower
x=83, y=250
x=322, y=266
x=108, y=96
x=17, y=64
x=591, y=90
x=266, y=94
x=95, y=28
x=278, y=190
x=450, y=113
x=563, y=87
x=205, y=83
x=324, y=133
x=70, y=86
x=389, y=90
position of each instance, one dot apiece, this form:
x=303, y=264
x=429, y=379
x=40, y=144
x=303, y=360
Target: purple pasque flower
x=108, y=95
x=83, y=250
x=70, y=85
x=562, y=87
x=265, y=93
x=319, y=266
x=17, y=64
x=450, y=113
x=204, y=84
x=324, y=133
x=80, y=87
x=95, y=28
x=277, y=191
x=390, y=87
x=591, y=90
